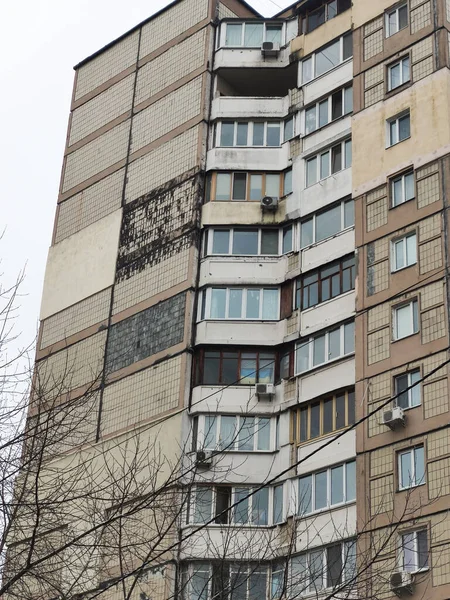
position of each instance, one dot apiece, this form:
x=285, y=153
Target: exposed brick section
x=146, y=333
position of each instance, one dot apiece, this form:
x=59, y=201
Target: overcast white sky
x=40, y=43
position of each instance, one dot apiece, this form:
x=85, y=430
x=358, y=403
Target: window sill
x=397, y=143
x=311, y=308
x=393, y=206
x=411, y=487
x=403, y=268
x=326, y=364
x=341, y=118
x=398, y=89
x=394, y=340
x=326, y=509
x=327, y=177
x=320, y=438
x=239, y=320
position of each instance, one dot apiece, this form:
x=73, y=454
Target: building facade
x=247, y=285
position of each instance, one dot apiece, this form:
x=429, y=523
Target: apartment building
x=249, y=257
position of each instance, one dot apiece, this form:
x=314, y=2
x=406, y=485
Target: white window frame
x=414, y=550
x=204, y=433
x=207, y=299
x=329, y=100
x=393, y=129
x=250, y=126
x=312, y=58
x=248, y=174
x=403, y=198
x=318, y=158
x=207, y=569
x=412, y=464
x=313, y=217
x=231, y=230
x=328, y=503
x=408, y=260
x=413, y=308
x=310, y=347
x=223, y=33
x=410, y=375
x=395, y=11
x=398, y=63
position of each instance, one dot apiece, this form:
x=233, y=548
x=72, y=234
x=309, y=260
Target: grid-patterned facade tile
x=379, y=582
x=293, y=261
x=376, y=194
x=422, y=49
x=429, y=228
x=431, y=295
x=440, y=526
x=162, y=164
x=289, y=389
x=73, y=367
x=381, y=495
x=422, y=69
x=76, y=318
x=438, y=444
x=427, y=170
x=152, y=391
x=292, y=323
x=381, y=249
x=373, y=44
x=373, y=76
x=97, y=155
x=90, y=205
x=295, y=148
x=374, y=95
x=102, y=109
x=151, y=281
x=171, y=23
x=378, y=317
x=447, y=7
x=440, y=564
x=380, y=387
x=168, y=113
x=373, y=25
x=225, y=12
x=431, y=362
x=377, y=214
x=421, y=17
x=383, y=541
x=378, y=278
x=375, y=426
x=378, y=346
x=107, y=64
x=433, y=324
x=430, y=255
x=439, y=478
x=428, y=190
x=414, y=3
x=435, y=400
x=172, y=65
x=381, y=462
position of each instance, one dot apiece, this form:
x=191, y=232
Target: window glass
x=269, y=241
x=414, y=392
x=409, y=551
x=350, y=481
x=258, y=134
x=218, y=301
x=221, y=241
x=340, y=411
x=255, y=187
x=241, y=136
x=273, y=33
x=334, y=344
x=211, y=367
x=227, y=432
x=403, y=17
x=348, y=154
x=230, y=367
x=351, y=407
x=411, y=249
x=336, y=105
x=287, y=185
x=223, y=500
x=403, y=128
x=278, y=503
x=288, y=129
x=260, y=508
x=287, y=239
x=349, y=213
x=324, y=165
x=266, y=368
x=328, y=416
x=305, y=494
x=233, y=34
x=422, y=547
x=306, y=233
x=307, y=74
x=336, y=158
x=273, y=134
x=419, y=465
x=323, y=113
x=314, y=420
x=263, y=434
x=395, y=76
x=270, y=304
x=245, y=241
x=227, y=133
x=348, y=100
x=199, y=584
x=347, y=46
x=337, y=485
x=316, y=18
x=302, y=357
x=248, y=368
x=406, y=475
x=310, y=119
x=319, y=350
x=316, y=569
x=246, y=433
x=349, y=337
x=241, y=510
x=328, y=57
x=253, y=34
x=273, y=185
x=409, y=186
x=311, y=171
x=203, y=502
x=235, y=304
x=223, y=184
x=320, y=492
x=404, y=321
x=252, y=304
x=334, y=565
x=239, y=186
x=210, y=431
x=328, y=223
x=401, y=384
x=405, y=69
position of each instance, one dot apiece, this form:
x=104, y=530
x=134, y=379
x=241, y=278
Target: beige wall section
x=96, y=156
x=102, y=109
x=90, y=205
x=81, y=265
x=172, y=65
x=107, y=64
x=171, y=23
x=162, y=164
x=168, y=113
x=432, y=92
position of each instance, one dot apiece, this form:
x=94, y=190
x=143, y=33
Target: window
x=287, y=183
x=404, y=252
x=242, y=367
x=242, y=186
x=248, y=242
x=402, y=188
x=407, y=398
x=327, y=223
x=324, y=348
x=251, y=35
x=398, y=129
x=326, y=283
x=241, y=303
x=233, y=433
x=406, y=320
x=396, y=19
x=328, y=162
x=318, y=16
x=323, y=416
x=398, y=73
x=327, y=58
x=249, y=133
x=411, y=467
x=327, y=488
x=329, y=109
x=414, y=550
x=224, y=581
x=322, y=568
x=289, y=130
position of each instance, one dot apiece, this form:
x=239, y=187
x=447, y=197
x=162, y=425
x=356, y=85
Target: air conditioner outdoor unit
x=270, y=49
x=402, y=582
x=394, y=417
x=265, y=391
x=203, y=458
x=269, y=203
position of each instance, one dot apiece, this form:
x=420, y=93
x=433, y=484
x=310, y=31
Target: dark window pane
x=340, y=411
x=328, y=57
x=337, y=485
x=348, y=100
x=227, y=133
x=316, y=18
x=328, y=416
x=223, y=501
x=221, y=239
x=328, y=223
x=315, y=420
x=323, y=113
x=403, y=17
x=239, y=186
x=310, y=295
x=242, y=131
x=336, y=105
x=211, y=369
x=351, y=407
x=320, y=494
x=273, y=134
x=258, y=134
x=245, y=241
x=331, y=9
x=287, y=239
x=303, y=424
x=334, y=565
x=422, y=549
x=347, y=46
x=269, y=241
x=273, y=33
x=335, y=286
x=401, y=383
x=326, y=291
x=336, y=158
x=230, y=369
